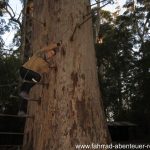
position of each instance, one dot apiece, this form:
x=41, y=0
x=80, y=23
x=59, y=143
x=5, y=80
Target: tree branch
x=95, y=10
x=12, y=16
x=19, y=15
x=11, y=10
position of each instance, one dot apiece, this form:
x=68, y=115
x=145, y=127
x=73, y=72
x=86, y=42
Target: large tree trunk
x=71, y=110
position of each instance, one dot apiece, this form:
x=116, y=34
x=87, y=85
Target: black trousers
x=27, y=75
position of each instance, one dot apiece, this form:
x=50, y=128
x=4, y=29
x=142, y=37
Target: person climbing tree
x=33, y=70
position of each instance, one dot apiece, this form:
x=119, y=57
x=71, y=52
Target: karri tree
x=71, y=109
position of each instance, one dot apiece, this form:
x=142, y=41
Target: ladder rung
x=11, y=133
x=32, y=99
x=16, y=116
x=10, y=145
x=42, y=83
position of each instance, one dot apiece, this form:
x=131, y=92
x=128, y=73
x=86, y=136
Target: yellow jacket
x=37, y=62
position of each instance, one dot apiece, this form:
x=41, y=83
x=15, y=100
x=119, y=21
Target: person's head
x=50, y=54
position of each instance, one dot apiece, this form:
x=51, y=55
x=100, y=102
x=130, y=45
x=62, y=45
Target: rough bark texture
x=27, y=30
x=71, y=110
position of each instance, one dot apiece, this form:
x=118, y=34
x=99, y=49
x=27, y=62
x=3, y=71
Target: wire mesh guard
x=12, y=139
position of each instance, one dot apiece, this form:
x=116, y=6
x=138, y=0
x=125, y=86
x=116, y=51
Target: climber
x=32, y=71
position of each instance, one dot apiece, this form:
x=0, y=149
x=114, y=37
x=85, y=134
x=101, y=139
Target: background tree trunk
x=27, y=30
x=71, y=110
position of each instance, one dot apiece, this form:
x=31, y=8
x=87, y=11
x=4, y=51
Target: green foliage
x=115, y=57
x=9, y=64
x=123, y=61
x=9, y=77
x=8, y=82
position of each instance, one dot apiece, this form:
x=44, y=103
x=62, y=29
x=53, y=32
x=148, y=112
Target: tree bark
x=71, y=110
x=27, y=30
